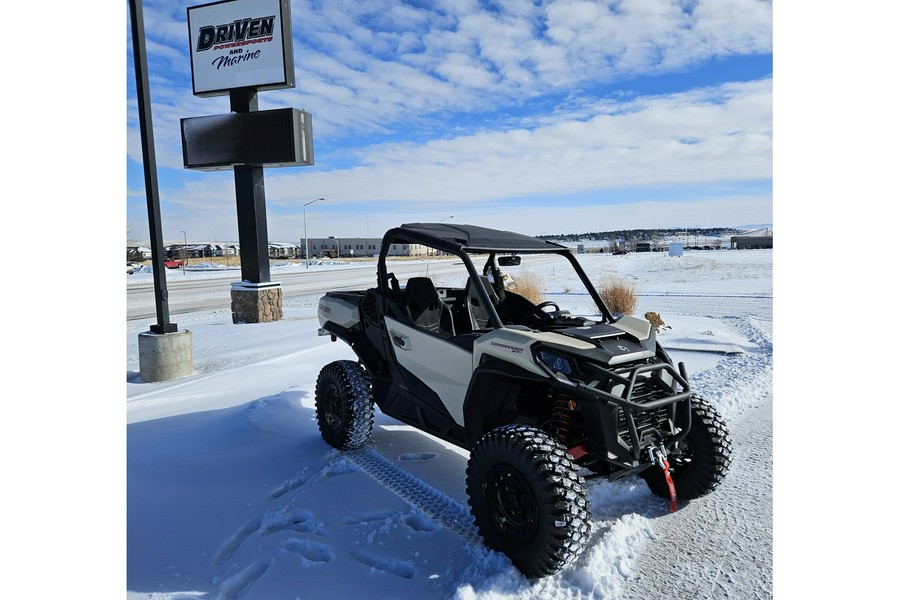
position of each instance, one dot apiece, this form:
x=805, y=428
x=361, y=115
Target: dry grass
x=530, y=286
x=619, y=295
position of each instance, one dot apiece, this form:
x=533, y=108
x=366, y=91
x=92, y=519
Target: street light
x=305, y=236
x=441, y=221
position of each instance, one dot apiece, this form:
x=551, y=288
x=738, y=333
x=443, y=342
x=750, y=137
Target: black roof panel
x=474, y=238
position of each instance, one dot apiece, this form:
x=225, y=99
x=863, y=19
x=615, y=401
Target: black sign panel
x=267, y=138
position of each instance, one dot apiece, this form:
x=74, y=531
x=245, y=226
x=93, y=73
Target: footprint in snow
x=419, y=522
x=332, y=469
x=366, y=518
x=310, y=552
x=236, y=586
x=400, y=568
x=418, y=456
x=301, y=521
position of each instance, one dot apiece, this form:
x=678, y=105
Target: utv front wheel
x=699, y=462
x=527, y=499
x=344, y=406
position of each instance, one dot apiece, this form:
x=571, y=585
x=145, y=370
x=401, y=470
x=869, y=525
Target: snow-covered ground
x=231, y=492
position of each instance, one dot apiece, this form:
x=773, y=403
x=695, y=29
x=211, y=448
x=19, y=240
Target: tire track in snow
x=437, y=505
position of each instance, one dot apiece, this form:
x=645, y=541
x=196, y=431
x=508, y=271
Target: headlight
x=555, y=362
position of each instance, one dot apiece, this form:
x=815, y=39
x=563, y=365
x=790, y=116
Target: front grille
x=658, y=419
x=646, y=389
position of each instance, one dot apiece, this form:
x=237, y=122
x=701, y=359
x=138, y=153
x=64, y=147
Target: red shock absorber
x=561, y=421
x=561, y=425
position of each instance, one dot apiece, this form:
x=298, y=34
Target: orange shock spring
x=561, y=421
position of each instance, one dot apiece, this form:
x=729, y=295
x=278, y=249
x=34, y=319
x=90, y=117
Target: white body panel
x=514, y=346
x=639, y=328
x=444, y=367
x=339, y=312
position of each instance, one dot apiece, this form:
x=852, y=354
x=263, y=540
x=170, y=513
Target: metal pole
x=184, y=253
x=305, y=236
x=150, y=181
x=250, y=194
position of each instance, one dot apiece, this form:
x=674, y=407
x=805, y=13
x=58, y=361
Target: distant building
x=283, y=250
x=752, y=240
x=138, y=253
x=333, y=247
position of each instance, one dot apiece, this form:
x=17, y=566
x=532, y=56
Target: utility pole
x=184, y=253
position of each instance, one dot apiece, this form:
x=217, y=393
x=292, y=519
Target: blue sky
x=539, y=117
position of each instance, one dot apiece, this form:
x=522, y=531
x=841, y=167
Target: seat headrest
x=421, y=293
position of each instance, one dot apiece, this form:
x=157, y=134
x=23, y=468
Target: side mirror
x=509, y=261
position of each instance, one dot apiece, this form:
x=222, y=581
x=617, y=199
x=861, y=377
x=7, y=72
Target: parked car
x=129, y=268
x=620, y=252
x=171, y=263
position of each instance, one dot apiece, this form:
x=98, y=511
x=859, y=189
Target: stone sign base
x=256, y=302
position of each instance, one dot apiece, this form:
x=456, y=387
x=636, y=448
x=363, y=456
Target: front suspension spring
x=561, y=421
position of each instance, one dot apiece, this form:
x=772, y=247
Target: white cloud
x=409, y=72
x=716, y=134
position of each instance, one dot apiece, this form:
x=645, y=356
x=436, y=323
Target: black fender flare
x=482, y=398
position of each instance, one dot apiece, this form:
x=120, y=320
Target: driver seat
x=478, y=314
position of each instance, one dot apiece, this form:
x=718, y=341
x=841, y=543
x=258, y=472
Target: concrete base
x=165, y=356
x=256, y=302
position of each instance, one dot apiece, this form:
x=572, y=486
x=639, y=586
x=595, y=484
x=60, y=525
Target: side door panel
x=446, y=367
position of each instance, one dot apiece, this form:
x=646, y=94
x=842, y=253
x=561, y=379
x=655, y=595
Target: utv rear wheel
x=698, y=463
x=344, y=406
x=527, y=499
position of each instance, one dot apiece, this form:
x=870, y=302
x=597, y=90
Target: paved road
x=192, y=292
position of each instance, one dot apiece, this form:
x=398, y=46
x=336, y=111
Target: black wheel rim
x=512, y=504
x=333, y=407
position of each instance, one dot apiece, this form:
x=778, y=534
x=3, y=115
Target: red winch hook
x=663, y=462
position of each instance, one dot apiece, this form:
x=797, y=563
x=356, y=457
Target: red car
x=171, y=263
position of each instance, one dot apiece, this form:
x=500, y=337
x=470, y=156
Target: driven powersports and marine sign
x=241, y=43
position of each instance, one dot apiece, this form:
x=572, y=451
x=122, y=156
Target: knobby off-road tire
x=699, y=463
x=527, y=499
x=344, y=406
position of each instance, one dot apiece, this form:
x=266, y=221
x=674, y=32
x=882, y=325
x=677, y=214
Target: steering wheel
x=542, y=317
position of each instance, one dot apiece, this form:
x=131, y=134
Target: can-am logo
x=239, y=32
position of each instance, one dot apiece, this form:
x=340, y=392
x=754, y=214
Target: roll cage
x=465, y=241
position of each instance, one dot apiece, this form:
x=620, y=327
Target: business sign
x=240, y=44
x=266, y=138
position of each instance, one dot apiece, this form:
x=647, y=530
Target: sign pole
x=163, y=352
x=250, y=193
x=150, y=180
